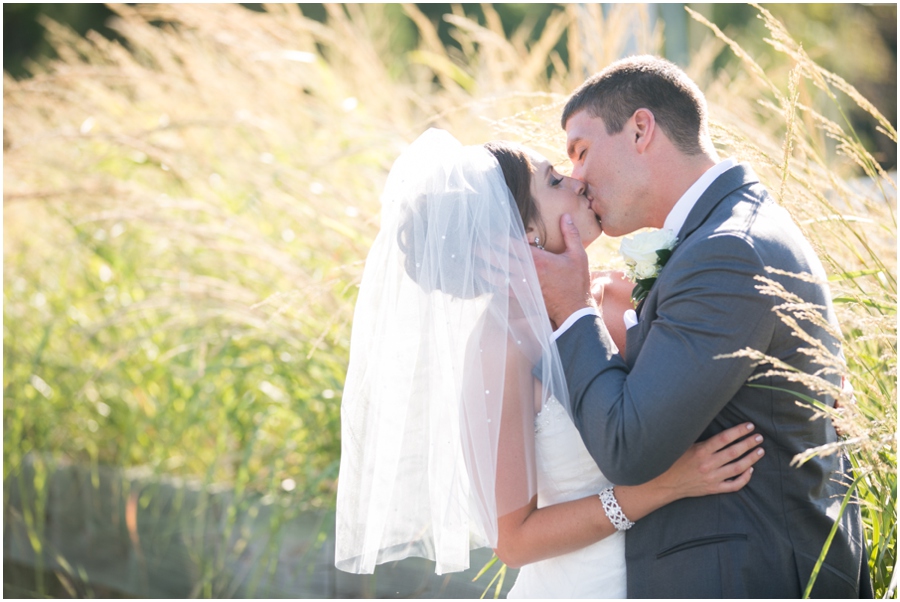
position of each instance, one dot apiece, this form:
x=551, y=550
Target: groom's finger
x=544, y=262
x=570, y=233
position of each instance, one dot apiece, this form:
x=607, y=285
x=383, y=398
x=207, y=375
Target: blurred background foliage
x=824, y=29
x=190, y=192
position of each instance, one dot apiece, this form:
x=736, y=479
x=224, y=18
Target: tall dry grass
x=186, y=217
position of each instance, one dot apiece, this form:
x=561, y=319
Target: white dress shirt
x=674, y=221
x=679, y=213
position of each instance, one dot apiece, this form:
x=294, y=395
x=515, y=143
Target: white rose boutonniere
x=645, y=254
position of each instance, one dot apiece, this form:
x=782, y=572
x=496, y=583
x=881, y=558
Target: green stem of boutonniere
x=663, y=257
x=641, y=289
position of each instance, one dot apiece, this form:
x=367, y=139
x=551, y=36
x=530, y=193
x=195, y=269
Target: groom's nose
x=577, y=172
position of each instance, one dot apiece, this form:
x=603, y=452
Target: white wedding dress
x=449, y=314
x=566, y=471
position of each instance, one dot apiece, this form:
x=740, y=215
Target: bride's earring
x=537, y=243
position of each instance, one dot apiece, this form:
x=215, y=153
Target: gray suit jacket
x=639, y=413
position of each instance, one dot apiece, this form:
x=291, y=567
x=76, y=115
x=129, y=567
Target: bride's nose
x=578, y=186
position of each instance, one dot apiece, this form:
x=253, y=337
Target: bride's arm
x=612, y=293
x=528, y=534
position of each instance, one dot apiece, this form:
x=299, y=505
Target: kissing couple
x=498, y=394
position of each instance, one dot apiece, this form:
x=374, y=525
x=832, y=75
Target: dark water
x=21, y=581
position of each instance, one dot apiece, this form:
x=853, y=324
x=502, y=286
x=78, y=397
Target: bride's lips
x=591, y=207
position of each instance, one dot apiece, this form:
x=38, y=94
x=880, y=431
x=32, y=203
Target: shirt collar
x=679, y=213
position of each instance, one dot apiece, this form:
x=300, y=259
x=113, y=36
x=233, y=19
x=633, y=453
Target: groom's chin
x=614, y=231
x=611, y=233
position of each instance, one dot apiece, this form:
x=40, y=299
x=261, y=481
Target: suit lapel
x=737, y=177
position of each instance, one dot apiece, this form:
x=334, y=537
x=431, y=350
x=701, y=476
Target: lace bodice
x=566, y=471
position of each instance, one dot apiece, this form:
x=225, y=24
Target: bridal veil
x=450, y=359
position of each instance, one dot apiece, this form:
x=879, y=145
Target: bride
x=455, y=425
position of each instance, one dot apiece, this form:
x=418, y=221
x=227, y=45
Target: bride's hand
x=721, y=464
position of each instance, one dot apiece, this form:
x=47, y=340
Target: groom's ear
x=644, y=124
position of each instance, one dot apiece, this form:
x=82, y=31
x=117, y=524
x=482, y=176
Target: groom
x=637, y=136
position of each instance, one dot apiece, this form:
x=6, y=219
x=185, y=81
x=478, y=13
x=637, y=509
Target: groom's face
x=605, y=163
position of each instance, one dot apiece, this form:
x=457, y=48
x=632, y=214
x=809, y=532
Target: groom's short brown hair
x=648, y=82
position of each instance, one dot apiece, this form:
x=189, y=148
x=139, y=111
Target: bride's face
x=556, y=194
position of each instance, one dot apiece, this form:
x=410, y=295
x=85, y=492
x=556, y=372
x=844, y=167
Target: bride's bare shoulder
x=610, y=283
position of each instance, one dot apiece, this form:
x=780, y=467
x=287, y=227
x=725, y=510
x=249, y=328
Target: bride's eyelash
x=555, y=181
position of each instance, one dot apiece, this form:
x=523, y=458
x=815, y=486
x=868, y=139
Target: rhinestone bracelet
x=614, y=511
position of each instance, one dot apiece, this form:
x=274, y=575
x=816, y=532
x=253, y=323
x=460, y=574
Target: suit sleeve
x=636, y=424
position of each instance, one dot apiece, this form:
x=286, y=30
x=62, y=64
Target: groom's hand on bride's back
x=565, y=278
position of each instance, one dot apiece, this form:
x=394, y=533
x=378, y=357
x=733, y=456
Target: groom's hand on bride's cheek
x=565, y=278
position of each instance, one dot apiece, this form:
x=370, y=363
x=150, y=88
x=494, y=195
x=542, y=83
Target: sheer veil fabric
x=450, y=360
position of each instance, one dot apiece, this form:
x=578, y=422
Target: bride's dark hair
x=454, y=275
x=518, y=171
